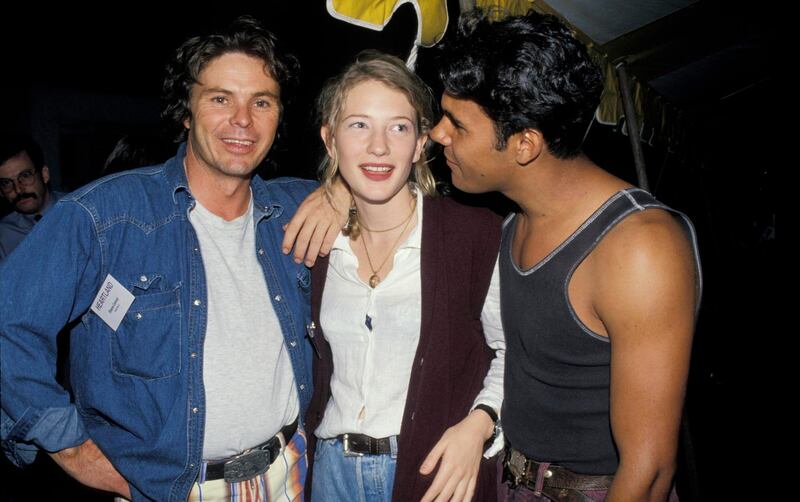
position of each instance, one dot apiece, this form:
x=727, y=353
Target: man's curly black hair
x=524, y=72
x=245, y=35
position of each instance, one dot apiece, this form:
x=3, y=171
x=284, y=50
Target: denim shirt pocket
x=147, y=343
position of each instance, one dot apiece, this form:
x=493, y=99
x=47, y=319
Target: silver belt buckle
x=516, y=465
x=346, y=447
x=246, y=466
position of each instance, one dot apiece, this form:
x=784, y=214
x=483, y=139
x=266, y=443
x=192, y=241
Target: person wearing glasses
x=23, y=183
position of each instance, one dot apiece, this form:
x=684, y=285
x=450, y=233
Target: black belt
x=518, y=470
x=252, y=462
x=361, y=444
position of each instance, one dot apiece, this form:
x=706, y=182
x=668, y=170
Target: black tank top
x=556, y=406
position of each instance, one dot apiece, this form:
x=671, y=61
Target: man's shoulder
x=646, y=276
x=143, y=195
x=288, y=183
x=13, y=221
x=282, y=190
x=649, y=243
x=5, y=219
x=650, y=227
x=123, y=186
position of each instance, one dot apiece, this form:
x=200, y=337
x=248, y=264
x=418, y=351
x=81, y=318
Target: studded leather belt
x=519, y=470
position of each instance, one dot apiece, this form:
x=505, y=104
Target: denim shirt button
x=278, y=298
x=143, y=278
x=193, y=355
x=195, y=410
x=138, y=315
x=302, y=386
x=196, y=302
x=261, y=252
x=293, y=344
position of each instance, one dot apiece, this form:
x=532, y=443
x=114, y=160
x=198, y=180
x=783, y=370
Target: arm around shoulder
x=316, y=223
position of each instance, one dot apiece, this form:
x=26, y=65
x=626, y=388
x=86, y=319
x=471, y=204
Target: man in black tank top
x=599, y=281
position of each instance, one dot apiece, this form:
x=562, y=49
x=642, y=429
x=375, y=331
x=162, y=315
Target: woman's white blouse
x=373, y=334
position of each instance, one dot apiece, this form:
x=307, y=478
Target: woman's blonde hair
x=389, y=70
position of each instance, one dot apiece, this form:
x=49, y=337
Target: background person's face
x=26, y=199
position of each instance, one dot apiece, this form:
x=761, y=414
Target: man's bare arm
x=646, y=296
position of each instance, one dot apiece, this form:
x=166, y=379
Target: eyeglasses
x=23, y=179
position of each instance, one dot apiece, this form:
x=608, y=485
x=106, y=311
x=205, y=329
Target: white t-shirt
x=249, y=383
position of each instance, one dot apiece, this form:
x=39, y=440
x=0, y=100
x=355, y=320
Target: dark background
x=78, y=80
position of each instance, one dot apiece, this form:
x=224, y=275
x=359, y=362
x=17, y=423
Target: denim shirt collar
x=175, y=174
x=263, y=207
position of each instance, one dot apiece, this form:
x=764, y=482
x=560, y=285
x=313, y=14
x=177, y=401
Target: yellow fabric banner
x=375, y=14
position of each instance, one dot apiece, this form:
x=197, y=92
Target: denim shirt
x=137, y=392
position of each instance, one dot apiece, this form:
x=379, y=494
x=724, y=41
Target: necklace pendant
x=374, y=280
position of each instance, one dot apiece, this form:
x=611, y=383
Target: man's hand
x=89, y=465
x=458, y=454
x=317, y=222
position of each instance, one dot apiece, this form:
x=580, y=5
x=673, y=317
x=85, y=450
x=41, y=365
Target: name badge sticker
x=112, y=302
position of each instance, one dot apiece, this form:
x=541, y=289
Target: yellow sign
x=375, y=14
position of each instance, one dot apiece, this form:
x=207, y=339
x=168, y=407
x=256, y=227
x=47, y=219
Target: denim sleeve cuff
x=51, y=429
x=20, y=454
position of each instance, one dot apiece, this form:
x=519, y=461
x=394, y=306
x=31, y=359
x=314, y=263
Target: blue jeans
x=368, y=478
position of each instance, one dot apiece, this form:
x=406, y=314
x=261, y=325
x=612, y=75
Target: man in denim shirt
x=190, y=363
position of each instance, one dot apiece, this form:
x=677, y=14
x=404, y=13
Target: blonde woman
x=408, y=381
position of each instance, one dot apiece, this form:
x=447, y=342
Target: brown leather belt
x=361, y=444
x=252, y=462
x=519, y=470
